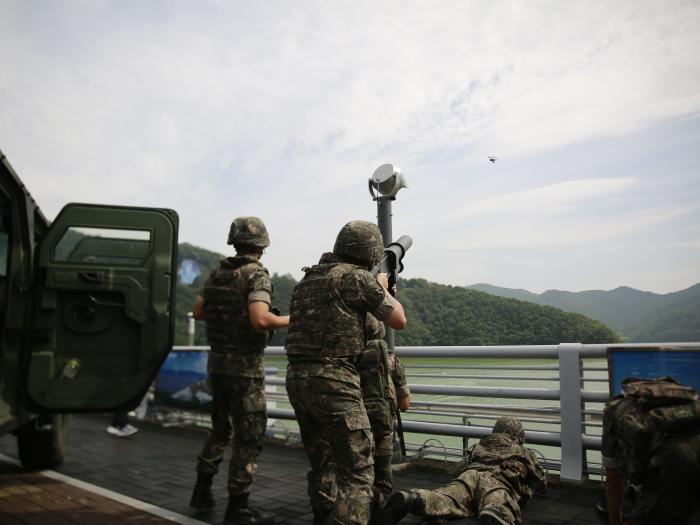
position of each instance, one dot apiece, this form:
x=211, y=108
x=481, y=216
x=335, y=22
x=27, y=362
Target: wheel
x=43, y=442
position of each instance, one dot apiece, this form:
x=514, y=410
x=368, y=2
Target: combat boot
x=321, y=517
x=239, y=513
x=202, y=498
x=397, y=506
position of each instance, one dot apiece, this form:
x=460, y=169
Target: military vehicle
x=86, y=312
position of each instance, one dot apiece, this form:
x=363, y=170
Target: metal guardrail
x=568, y=392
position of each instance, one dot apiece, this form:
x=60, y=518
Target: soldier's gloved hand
x=383, y=280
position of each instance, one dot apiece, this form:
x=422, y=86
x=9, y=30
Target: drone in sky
x=492, y=159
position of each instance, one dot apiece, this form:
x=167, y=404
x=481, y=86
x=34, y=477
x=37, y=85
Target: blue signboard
x=182, y=380
x=681, y=364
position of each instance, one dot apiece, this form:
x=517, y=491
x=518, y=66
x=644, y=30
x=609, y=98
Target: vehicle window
x=103, y=246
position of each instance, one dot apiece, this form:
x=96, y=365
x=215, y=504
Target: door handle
x=84, y=313
x=92, y=277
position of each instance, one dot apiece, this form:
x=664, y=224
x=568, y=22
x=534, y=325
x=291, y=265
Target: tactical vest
x=637, y=424
x=322, y=325
x=226, y=307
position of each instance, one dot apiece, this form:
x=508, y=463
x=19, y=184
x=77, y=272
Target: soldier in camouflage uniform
x=384, y=391
x=235, y=303
x=500, y=477
x=651, y=447
x=324, y=342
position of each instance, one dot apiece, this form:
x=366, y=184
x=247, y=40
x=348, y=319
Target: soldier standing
x=325, y=340
x=235, y=303
x=384, y=391
x=500, y=477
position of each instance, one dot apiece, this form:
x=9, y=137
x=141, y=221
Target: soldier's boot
x=397, y=506
x=202, y=498
x=321, y=516
x=239, y=513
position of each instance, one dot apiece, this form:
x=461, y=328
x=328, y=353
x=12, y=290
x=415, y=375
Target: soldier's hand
x=383, y=280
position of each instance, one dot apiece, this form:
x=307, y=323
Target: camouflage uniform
x=499, y=479
x=651, y=435
x=236, y=369
x=324, y=342
x=382, y=378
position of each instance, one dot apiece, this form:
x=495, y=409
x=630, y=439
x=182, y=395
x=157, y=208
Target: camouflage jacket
x=515, y=465
x=236, y=348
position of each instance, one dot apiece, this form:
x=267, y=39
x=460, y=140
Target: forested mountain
x=451, y=315
x=438, y=314
x=636, y=315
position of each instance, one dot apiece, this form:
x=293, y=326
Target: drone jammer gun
x=392, y=262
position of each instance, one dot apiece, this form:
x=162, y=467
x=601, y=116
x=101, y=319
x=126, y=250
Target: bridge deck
x=156, y=466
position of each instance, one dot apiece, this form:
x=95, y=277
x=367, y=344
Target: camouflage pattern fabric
x=236, y=369
x=237, y=349
x=238, y=407
x=651, y=434
x=327, y=311
x=360, y=241
x=500, y=477
x=337, y=439
x=472, y=494
x=324, y=342
x=380, y=374
x=511, y=426
x=248, y=231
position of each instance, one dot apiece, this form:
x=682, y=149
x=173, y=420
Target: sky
x=283, y=110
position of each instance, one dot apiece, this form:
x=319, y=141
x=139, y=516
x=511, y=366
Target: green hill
x=451, y=315
x=638, y=316
x=438, y=314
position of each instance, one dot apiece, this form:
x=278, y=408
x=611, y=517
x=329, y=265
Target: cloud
x=219, y=108
x=547, y=201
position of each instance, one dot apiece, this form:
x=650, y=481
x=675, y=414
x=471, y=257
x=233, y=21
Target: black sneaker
x=602, y=504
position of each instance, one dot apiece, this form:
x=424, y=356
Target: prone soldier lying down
x=500, y=477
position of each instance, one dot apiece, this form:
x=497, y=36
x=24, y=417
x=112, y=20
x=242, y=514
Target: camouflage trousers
x=381, y=420
x=336, y=435
x=238, y=410
x=473, y=493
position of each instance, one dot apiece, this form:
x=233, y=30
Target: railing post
x=190, y=329
x=465, y=439
x=570, y=406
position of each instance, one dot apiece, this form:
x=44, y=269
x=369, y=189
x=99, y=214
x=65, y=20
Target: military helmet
x=511, y=426
x=360, y=240
x=249, y=231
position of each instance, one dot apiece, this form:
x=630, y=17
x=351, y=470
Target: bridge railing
x=458, y=391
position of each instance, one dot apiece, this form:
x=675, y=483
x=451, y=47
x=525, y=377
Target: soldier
x=384, y=391
x=651, y=452
x=325, y=340
x=236, y=304
x=500, y=477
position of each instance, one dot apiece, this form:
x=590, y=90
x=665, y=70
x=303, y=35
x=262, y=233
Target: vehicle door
x=104, y=307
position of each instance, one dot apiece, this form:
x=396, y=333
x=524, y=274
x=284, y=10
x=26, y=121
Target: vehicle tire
x=43, y=442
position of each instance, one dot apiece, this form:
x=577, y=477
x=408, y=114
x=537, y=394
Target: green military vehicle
x=86, y=312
